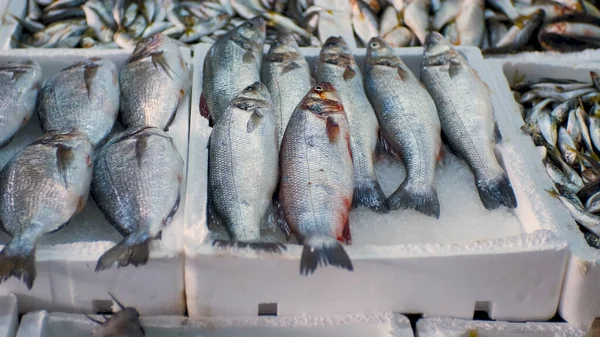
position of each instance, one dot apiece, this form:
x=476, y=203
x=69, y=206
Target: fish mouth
x=433, y=39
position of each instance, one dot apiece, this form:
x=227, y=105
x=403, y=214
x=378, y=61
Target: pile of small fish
x=563, y=116
x=316, y=144
x=135, y=177
x=497, y=26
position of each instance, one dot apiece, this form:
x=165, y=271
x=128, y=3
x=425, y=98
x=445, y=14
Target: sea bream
x=41, y=188
x=20, y=83
x=286, y=75
x=153, y=82
x=137, y=182
x=409, y=122
x=83, y=96
x=231, y=64
x=317, y=179
x=243, y=167
x=337, y=65
x=467, y=117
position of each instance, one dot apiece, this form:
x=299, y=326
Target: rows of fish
x=276, y=135
x=134, y=176
x=563, y=116
x=122, y=23
x=497, y=26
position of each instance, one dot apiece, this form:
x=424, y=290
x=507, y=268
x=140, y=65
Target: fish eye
x=374, y=44
x=319, y=88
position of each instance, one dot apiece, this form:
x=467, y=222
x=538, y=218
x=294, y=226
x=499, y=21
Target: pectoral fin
x=253, y=121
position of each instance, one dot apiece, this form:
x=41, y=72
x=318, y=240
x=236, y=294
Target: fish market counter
x=66, y=260
x=509, y=263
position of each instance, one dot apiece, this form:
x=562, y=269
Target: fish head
x=438, y=50
x=323, y=100
x=377, y=47
x=284, y=43
x=256, y=91
x=337, y=52
x=28, y=70
x=254, y=29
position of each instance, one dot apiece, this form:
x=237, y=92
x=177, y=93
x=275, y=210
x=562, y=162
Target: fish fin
x=423, y=199
x=248, y=56
x=267, y=247
x=81, y=203
x=402, y=73
x=289, y=67
x=349, y=73
x=497, y=134
x=333, y=129
x=89, y=73
x=204, y=111
x=64, y=156
x=15, y=263
x=496, y=192
x=383, y=146
x=141, y=144
x=214, y=220
x=159, y=60
x=323, y=251
x=253, y=121
x=346, y=234
x=368, y=193
x=281, y=222
x=125, y=253
x=167, y=220
x=453, y=69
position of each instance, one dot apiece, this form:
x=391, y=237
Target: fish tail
x=323, y=250
x=17, y=261
x=126, y=253
x=267, y=247
x=368, y=193
x=422, y=199
x=496, y=192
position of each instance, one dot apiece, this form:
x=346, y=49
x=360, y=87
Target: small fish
x=449, y=79
x=364, y=21
x=470, y=23
x=317, y=179
x=123, y=323
x=409, y=122
x=587, y=219
x=153, y=83
x=592, y=205
x=570, y=33
x=417, y=19
x=83, y=96
x=137, y=181
x=41, y=188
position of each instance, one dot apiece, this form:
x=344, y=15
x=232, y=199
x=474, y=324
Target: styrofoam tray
x=449, y=327
x=580, y=298
x=9, y=317
x=507, y=263
x=566, y=59
x=43, y=324
x=66, y=280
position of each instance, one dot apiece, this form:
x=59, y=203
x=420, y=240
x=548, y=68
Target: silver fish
x=243, y=168
x=364, y=21
x=470, y=23
x=231, y=64
x=409, y=122
x=83, y=96
x=153, y=83
x=286, y=75
x=449, y=79
x=20, y=84
x=42, y=187
x=137, y=182
x=123, y=323
x=337, y=65
x=317, y=179
x=416, y=18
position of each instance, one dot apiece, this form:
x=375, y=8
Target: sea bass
x=83, y=96
x=153, y=83
x=286, y=75
x=337, y=65
x=244, y=165
x=467, y=117
x=20, y=83
x=137, y=182
x=409, y=122
x=317, y=179
x=232, y=63
x=41, y=188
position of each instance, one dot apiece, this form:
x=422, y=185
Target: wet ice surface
x=463, y=218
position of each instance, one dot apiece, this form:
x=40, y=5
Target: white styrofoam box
x=450, y=327
x=65, y=261
x=9, y=316
x=508, y=263
x=566, y=59
x=43, y=324
x=580, y=299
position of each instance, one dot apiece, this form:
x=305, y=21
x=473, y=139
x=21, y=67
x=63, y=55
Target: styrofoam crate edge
x=450, y=327
x=9, y=316
x=567, y=59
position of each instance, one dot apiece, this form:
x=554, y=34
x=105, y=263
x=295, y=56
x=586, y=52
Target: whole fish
x=470, y=23
x=153, y=83
x=137, y=182
x=41, y=188
x=467, y=117
x=409, y=122
x=570, y=33
x=337, y=65
x=243, y=168
x=232, y=63
x=83, y=96
x=317, y=179
x=20, y=84
x=123, y=323
x=286, y=75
